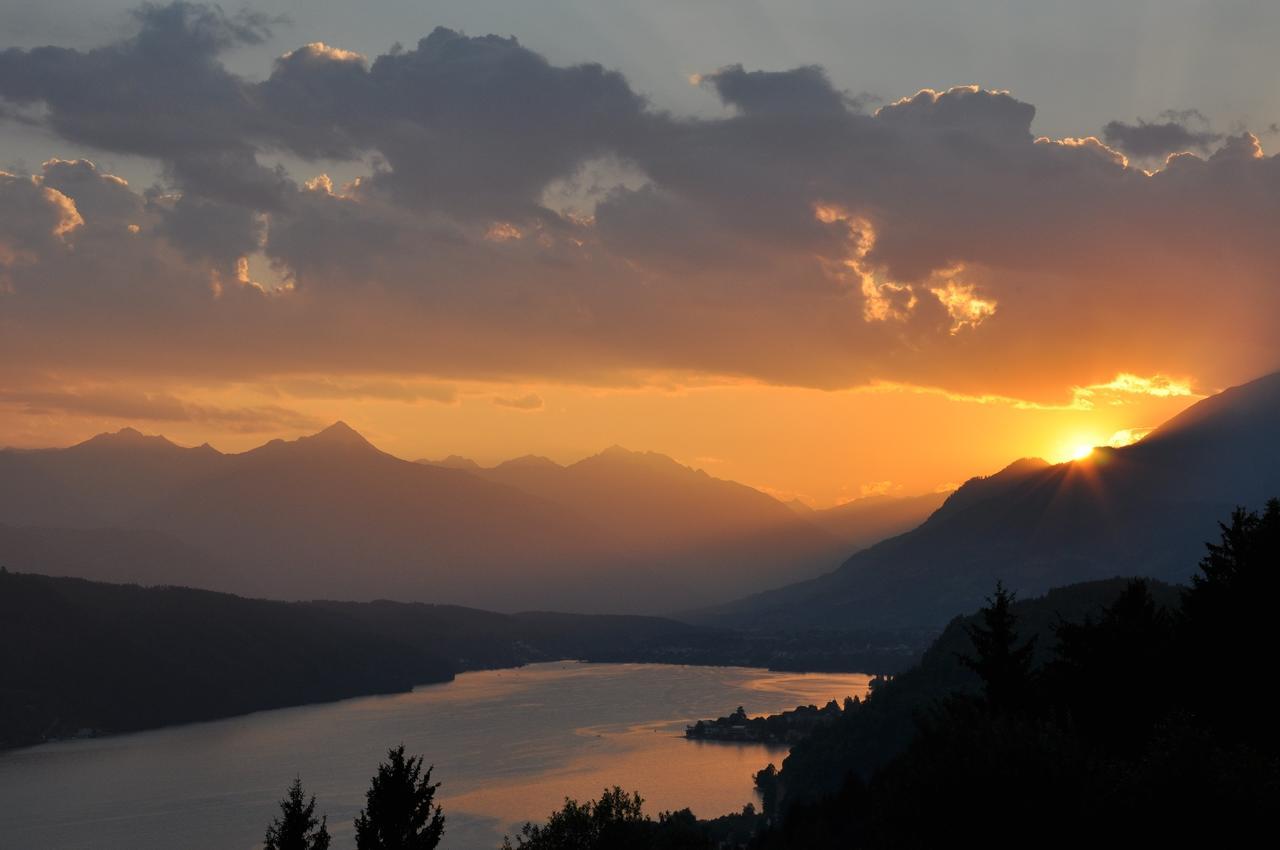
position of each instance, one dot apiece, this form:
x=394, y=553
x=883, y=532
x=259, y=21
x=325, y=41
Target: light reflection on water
x=508, y=745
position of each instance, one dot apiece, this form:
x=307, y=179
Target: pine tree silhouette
x=1003, y=666
x=399, y=811
x=297, y=828
x=1228, y=615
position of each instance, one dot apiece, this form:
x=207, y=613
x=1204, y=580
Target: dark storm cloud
x=484, y=124
x=218, y=232
x=799, y=90
x=162, y=93
x=797, y=239
x=1174, y=132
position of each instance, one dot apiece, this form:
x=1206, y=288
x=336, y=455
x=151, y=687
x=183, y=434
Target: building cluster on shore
x=785, y=728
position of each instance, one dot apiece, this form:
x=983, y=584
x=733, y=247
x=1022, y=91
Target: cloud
x=1127, y=436
x=132, y=406
x=1125, y=384
x=527, y=403
x=803, y=90
x=1171, y=133
x=162, y=93
x=797, y=239
x=368, y=388
x=1121, y=389
x=479, y=126
x=878, y=488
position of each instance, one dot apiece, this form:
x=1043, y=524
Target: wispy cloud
x=132, y=406
x=1122, y=389
x=528, y=403
x=367, y=388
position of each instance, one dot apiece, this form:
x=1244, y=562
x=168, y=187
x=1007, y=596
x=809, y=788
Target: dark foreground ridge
x=1142, y=510
x=1062, y=722
x=85, y=658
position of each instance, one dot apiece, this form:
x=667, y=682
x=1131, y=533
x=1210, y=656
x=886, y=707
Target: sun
x=1081, y=451
x=1073, y=449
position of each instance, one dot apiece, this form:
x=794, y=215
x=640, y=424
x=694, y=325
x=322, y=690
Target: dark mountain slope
x=1143, y=509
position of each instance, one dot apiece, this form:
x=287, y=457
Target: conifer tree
x=297, y=828
x=400, y=811
x=1003, y=665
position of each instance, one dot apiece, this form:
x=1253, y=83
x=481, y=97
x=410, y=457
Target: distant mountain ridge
x=330, y=515
x=866, y=521
x=1145, y=509
x=853, y=525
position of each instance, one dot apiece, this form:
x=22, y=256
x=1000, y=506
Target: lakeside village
x=785, y=728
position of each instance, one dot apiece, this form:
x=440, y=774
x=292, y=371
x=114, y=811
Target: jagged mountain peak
x=339, y=432
x=530, y=462
x=127, y=438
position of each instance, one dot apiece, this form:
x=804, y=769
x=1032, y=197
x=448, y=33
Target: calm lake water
x=508, y=746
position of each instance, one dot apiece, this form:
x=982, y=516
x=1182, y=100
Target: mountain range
x=1145, y=509
x=331, y=516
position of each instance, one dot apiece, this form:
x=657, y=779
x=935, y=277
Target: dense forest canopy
x=1147, y=723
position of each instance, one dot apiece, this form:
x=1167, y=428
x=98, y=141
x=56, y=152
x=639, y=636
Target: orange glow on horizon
x=822, y=447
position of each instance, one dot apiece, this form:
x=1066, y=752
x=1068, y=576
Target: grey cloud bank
x=800, y=238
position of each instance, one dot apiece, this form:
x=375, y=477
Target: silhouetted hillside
x=87, y=655
x=1142, y=722
x=886, y=724
x=474, y=639
x=1144, y=509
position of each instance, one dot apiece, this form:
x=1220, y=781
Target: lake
x=508, y=746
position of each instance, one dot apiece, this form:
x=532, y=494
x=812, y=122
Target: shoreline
x=102, y=734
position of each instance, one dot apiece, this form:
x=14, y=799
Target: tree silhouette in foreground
x=297, y=828
x=615, y=822
x=400, y=811
x=1003, y=666
x=1227, y=624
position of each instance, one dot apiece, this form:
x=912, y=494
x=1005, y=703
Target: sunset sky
x=838, y=248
